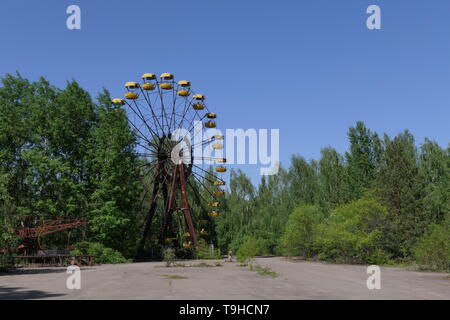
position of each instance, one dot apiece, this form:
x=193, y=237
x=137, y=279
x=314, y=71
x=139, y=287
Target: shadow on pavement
x=17, y=293
x=19, y=271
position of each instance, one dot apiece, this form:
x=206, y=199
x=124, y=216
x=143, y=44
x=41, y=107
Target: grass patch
x=264, y=271
x=193, y=265
x=173, y=276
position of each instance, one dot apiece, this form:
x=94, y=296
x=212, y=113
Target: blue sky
x=310, y=68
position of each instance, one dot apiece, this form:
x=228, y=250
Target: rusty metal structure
x=48, y=227
x=157, y=109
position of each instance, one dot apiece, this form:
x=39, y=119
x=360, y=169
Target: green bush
x=248, y=249
x=203, y=251
x=354, y=233
x=169, y=257
x=433, y=250
x=301, y=231
x=100, y=253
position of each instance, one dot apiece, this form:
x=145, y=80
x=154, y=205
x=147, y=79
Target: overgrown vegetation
x=204, y=251
x=64, y=154
x=173, y=276
x=101, y=253
x=382, y=202
x=169, y=257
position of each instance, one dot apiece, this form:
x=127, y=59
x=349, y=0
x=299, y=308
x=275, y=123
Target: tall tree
x=333, y=178
x=435, y=171
x=362, y=159
x=399, y=186
x=115, y=178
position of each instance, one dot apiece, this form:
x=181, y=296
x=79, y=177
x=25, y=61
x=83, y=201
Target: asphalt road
x=295, y=280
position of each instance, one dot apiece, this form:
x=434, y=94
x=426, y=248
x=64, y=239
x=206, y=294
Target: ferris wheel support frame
x=178, y=183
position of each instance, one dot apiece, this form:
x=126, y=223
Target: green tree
x=362, y=159
x=399, y=186
x=115, y=179
x=333, y=178
x=434, y=168
x=433, y=249
x=301, y=231
x=354, y=232
x=304, y=181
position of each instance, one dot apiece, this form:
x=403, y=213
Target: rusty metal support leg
x=185, y=205
x=169, y=207
x=149, y=218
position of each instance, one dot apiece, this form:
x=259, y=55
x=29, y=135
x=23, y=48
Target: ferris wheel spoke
x=141, y=116
x=204, y=177
x=163, y=111
x=205, y=142
x=141, y=134
x=174, y=101
x=199, y=197
x=147, y=98
x=207, y=172
x=187, y=108
x=205, y=187
x=192, y=127
x=142, y=137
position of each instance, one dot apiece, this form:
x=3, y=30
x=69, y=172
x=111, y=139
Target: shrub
x=248, y=249
x=301, y=231
x=203, y=251
x=169, y=257
x=433, y=249
x=100, y=253
x=354, y=233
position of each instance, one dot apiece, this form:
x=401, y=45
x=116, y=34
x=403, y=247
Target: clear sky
x=308, y=67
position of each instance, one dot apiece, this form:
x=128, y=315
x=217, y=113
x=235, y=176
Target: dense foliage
x=383, y=201
x=63, y=154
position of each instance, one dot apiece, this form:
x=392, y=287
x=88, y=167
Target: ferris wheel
x=164, y=115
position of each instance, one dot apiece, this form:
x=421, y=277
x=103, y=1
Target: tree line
x=384, y=201
x=64, y=154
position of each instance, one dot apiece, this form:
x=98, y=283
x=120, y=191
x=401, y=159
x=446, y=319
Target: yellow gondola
x=217, y=146
x=148, y=76
x=131, y=95
x=213, y=214
x=118, y=102
x=219, y=183
x=219, y=192
x=184, y=83
x=131, y=85
x=186, y=234
x=203, y=232
x=211, y=115
x=210, y=124
x=187, y=245
x=221, y=169
x=148, y=86
x=221, y=160
x=183, y=93
x=215, y=204
x=166, y=86
x=198, y=106
x=169, y=240
x=199, y=97
x=218, y=137
x=166, y=76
